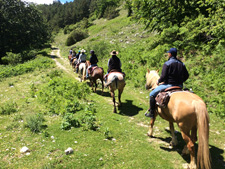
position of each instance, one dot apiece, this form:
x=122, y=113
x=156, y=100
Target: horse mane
x=152, y=77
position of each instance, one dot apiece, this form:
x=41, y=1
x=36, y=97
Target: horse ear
x=157, y=71
x=148, y=70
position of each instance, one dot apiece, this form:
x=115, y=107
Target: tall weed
x=35, y=122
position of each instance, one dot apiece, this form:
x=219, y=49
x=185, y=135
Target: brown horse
x=190, y=113
x=116, y=81
x=74, y=62
x=96, y=73
x=70, y=57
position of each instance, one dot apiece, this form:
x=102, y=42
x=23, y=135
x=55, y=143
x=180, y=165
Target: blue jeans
x=161, y=87
x=90, y=67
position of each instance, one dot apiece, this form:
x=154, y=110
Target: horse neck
x=154, y=80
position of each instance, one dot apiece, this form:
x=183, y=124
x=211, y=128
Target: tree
x=190, y=23
x=21, y=28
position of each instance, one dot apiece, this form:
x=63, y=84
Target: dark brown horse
x=190, y=113
x=95, y=74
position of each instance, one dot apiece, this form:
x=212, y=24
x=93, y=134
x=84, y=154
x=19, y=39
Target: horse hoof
x=149, y=135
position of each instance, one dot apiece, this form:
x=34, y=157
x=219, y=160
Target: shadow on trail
x=54, y=48
x=217, y=159
x=53, y=56
x=128, y=109
x=99, y=90
x=105, y=94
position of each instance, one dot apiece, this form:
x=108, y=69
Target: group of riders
x=174, y=72
x=114, y=63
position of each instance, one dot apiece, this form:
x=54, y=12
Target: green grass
x=130, y=148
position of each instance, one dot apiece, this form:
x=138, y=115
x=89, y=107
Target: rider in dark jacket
x=114, y=62
x=93, y=61
x=174, y=73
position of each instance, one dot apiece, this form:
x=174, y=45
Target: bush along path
x=127, y=130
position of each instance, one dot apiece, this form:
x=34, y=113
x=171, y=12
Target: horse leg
x=119, y=95
x=190, y=146
x=194, y=134
x=91, y=81
x=174, y=139
x=95, y=85
x=102, y=85
x=114, y=101
x=150, y=132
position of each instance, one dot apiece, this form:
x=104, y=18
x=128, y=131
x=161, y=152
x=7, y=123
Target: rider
x=174, y=73
x=93, y=61
x=71, y=51
x=114, y=63
x=81, y=59
x=78, y=54
x=73, y=56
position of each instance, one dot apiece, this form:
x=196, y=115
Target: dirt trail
x=55, y=56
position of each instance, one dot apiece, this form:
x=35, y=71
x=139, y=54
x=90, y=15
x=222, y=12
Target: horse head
x=151, y=79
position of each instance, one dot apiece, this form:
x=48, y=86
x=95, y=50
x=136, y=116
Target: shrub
x=61, y=95
x=55, y=73
x=76, y=36
x=108, y=134
x=8, y=108
x=33, y=90
x=35, y=122
x=69, y=121
x=12, y=58
x=89, y=120
x=111, y=12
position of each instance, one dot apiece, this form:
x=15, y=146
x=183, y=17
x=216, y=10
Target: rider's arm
x=163, y=77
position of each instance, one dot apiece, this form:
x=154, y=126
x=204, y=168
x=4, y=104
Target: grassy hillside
x=138, y=50
x=47, y=110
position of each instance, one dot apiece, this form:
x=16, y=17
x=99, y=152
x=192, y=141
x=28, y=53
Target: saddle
x=91, y=69
x=163, y=97
x=77, y=65
x=113, y=71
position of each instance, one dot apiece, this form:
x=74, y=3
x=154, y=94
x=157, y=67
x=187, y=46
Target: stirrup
x=149, y=113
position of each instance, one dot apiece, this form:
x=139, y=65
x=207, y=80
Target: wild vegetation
x=48, y=110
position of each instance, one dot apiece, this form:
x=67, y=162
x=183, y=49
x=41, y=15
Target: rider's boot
x=151, y=111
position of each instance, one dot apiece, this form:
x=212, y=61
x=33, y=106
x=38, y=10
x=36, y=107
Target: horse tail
x=114, y=79
x=203, y=156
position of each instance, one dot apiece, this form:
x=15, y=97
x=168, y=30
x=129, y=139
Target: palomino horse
x=96, y=73
x=189, y=112
x=115, y=81
x=82, y=71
